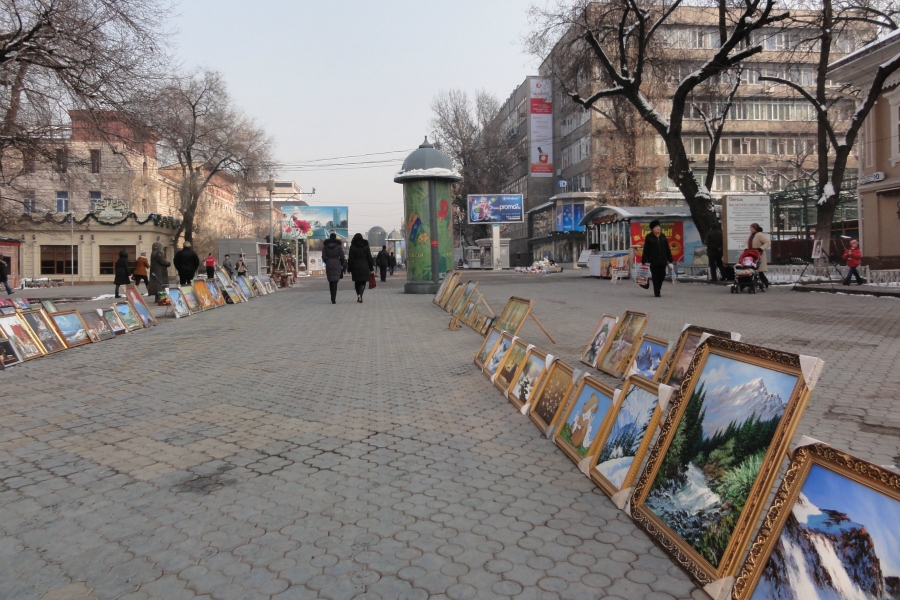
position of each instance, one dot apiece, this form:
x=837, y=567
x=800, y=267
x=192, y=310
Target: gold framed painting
x=495, y=358
x=448, y=291
x=831, y=532
x=510, y=365
x=467, y=313
x=476, y=318
x=599, y=341
x=681, y=356
x=9, y=354
x=203, y=296
x=621, y=345
x=129, y=318
x=21, y=337
x=718, y=453
x=583, y=417
x=190, y=298
x=649, y=358
x=551, y=396
x=457, y=309
x=454, y=297
x=98, y=328
x=71, y=327
x=487, y=324
x=514, y=314
x=448, y=283
x=527, y=379
x=137, y=302
x=487, y=347
x=624, y=438
x=215, y=292
x=44, y=330
x=115, y=321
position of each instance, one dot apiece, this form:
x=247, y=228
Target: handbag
x=371, y=280
x=642, y=276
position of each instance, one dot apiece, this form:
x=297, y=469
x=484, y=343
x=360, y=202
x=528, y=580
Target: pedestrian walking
x=159, y=269
x=4, y=276
x=186, y=263
x=141, y=266
x=360, y=264
x=383, y=261
x=210, y=263
x=657, y=254
x=122, y=277
x=392, y=264
x=226, y=264
x=333, y=257
x=714, y=251
x=241, y=266
x=852, y=258
x=758, y=240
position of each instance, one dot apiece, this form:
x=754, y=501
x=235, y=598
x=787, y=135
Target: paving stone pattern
x=289, y=448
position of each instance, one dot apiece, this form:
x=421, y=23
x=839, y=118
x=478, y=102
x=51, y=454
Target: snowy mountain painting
x=648, y=359
x=494, y=363
x=623, y=441
x=841, y=541
x=718, y=448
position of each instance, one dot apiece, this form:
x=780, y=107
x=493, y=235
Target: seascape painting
x=584, y=419
x=529, y=377
x=649, y=359
x=601, y=334
x=485, y=351
x=515, y=357
x=624, y=439
x=841, y=541
x=499, y=354
x=71, y=327
x=553, y=394
x=626, y=334
x=718, y=448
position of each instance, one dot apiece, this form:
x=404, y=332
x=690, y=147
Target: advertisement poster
x=738, y=212
x=419, y=236
x=569, y=215
x=498, y=208
x=673, y=230
x=313, y=222
x=541, y=127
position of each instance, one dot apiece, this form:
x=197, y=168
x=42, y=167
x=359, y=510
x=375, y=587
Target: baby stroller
x=746, y=274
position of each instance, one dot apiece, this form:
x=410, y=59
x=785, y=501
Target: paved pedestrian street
x=289, y=448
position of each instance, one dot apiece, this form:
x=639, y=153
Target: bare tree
x=205, y=135
x=617, y=38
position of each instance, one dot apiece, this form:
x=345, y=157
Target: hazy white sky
x=332, y=79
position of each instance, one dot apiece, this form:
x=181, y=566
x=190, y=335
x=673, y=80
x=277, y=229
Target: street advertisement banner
x=673, y=230
x=313, y=222
x=541, y=127
x=568, y=215
x=738, y=212
x=496, y=209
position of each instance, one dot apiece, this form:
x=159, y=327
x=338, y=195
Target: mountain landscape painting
x=841, y=541
x=621, y=445
x=718, y=448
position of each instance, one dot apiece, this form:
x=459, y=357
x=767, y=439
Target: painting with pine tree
x=712, y=462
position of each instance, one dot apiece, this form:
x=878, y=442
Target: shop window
x=95, y=161
x=57, y=260
x=110, y=254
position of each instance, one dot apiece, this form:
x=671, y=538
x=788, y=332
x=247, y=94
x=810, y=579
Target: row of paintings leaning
x=31, y=330
x=691, y=446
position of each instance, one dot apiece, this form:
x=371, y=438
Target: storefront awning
x=541, y=207
x=637, y=212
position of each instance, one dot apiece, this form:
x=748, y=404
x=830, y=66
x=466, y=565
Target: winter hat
x=654, y=223
x=143, y=254
x=854, y=242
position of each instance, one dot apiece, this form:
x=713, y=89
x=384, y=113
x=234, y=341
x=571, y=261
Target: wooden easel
x=538, y=323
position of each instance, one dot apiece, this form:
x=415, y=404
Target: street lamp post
x=270, y=186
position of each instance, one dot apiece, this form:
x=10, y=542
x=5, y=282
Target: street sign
x=496, y=209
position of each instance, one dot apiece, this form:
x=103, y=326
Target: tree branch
x=821, y=111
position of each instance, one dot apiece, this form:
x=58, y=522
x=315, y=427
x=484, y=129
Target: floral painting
x=553, y=394
x=584, y=418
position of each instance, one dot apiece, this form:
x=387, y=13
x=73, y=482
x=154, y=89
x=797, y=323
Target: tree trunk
x=701, y=205
x=823, y=221
x=187, y=225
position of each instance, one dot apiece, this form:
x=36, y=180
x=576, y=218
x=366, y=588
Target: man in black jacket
x=383, y=261
x=186, y=263
x=657, y=254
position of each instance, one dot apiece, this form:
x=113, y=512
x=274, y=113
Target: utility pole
x=270, y=185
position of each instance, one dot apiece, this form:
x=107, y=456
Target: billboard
x=496, y=209
x=673, y=230
x=313, y=222
x=541, y=108
x=738, y=212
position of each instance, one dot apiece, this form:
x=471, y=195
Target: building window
x=110, y=254
x=145, y=168
x=95, y=198
x=95, y=161
x=57, y=260
x=722, y=182
x=28, y=202
x=62, y=202
x=62, y=160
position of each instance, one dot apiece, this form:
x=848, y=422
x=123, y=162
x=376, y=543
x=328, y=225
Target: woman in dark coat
x=4, y=276
x=359, y=264
x=159, y=269
x=122, y=275
x=657, y=254
x=333, y=256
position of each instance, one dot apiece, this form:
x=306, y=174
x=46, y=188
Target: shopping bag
x=642, y=276
x=371, y=280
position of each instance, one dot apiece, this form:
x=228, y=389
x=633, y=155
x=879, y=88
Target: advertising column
x=541, y=127
x=418, y=230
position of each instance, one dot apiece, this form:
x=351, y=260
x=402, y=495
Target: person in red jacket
x=852, y=256
x=210, y=264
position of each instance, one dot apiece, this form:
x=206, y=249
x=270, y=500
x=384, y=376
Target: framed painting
x=487, y=347
x=621, y=345
x=43, y=330
x=9, y=356
x=203, y=296
x=115, y=321
x=459, y=305
x=21, y=303
x=527, y=379
x=98, y=328
x=475, y=319
x=681, y=356
x=258, y=286
x=510, y=365
x=599, y=341
x=6, y=302
x=71, y=327
x=8, y=310
x=215, y=292
x=467, y=313
x=830, y=533
x=19, y=333
x=622, y=443
x=550, y=398
x=225, y=285
x=514, y=314
x=649, y=358
x=455, y=297
x=448, y=291
x=127, y=315
x=718, y=453
x=179, y=306
x=190, y=298
x=137, y=302
x=245, y=287
x=488, y=323
x=448, y=283
x=495, y=359
x=583, y=417
x=49, y=306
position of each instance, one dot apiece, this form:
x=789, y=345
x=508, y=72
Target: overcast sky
x=332, y=79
